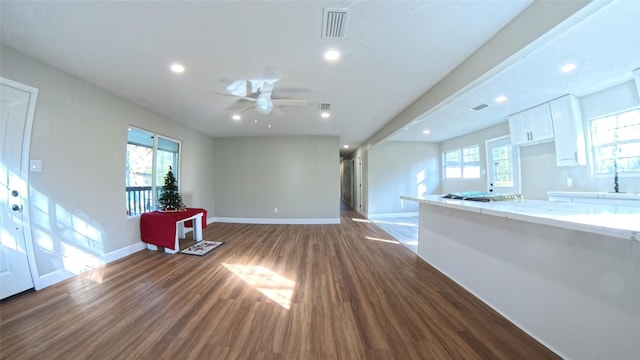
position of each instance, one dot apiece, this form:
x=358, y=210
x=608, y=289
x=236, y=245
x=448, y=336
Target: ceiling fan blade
x=267, y=88
x=289, y=102
x=238, y=96
x=278, y=112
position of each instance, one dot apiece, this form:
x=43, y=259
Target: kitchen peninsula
x=568, y=274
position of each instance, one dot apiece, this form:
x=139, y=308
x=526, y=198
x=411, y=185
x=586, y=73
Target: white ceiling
x=605, y=46
x=392, y=54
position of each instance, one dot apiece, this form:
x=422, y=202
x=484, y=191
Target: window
x=144, y=177
x=615, y=143
x=462, y=163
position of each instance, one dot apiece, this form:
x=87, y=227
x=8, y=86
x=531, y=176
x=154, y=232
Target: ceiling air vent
x=334, y=23
x=479, y=107
x=325, y=106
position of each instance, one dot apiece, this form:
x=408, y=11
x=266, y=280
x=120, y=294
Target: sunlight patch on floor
x=269, y=283
x=360, y=220
x=382, y=240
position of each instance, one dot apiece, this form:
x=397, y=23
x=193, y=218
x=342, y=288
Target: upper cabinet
x=560, y=119
x=569, y=131
x=532, y=126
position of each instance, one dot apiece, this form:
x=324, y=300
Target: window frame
x=594, y=159
x=462, y=163
x=176, y=167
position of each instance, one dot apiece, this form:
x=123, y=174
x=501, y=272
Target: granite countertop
x=610, y=220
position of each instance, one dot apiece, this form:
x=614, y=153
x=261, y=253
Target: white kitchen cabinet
x=531, y=126
x=569, y=131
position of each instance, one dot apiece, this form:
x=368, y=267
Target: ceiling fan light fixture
x=264, y=107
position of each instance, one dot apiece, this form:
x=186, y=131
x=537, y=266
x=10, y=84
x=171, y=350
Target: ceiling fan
x=258, y=92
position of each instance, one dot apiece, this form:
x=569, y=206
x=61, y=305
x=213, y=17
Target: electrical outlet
x=275, y=210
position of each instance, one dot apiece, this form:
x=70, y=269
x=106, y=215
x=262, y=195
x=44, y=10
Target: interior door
x=503, y=166
x=15, y=274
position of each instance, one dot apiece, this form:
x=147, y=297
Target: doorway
x=503, y=166
x=17, y=261
x=358, y=177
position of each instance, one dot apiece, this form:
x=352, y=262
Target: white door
x=17, y=103
x=503, y=166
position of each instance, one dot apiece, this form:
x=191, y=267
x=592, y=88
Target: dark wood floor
x=270, y=292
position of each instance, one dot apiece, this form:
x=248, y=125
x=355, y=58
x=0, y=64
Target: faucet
x=616, y=186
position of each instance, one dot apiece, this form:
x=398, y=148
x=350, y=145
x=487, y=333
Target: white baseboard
x=392, y=215
x=125, y=251
x=277, y=221
x=62, y=274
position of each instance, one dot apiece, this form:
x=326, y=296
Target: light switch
x=569, y=182
x=35, y=166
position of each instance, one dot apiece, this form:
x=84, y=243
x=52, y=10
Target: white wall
x=77, y=202
x=475, y=138
x=299, y=175
x=393, y=170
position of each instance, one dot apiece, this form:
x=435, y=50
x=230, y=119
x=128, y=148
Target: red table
x=164, y=229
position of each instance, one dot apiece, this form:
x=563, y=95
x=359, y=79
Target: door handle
x=16, y=207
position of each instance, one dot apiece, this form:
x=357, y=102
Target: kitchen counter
x=610, y=220
x=566, y=273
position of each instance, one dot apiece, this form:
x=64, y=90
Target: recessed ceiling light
x=568, y=67
x=426, y=132
x=346, y=146
x=325, y=115
x=269, y=126
x=500, y=99
x=332, y=55
x=236, y=117
x=177, y=68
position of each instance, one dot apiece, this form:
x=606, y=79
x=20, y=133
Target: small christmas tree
x=170, y=198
